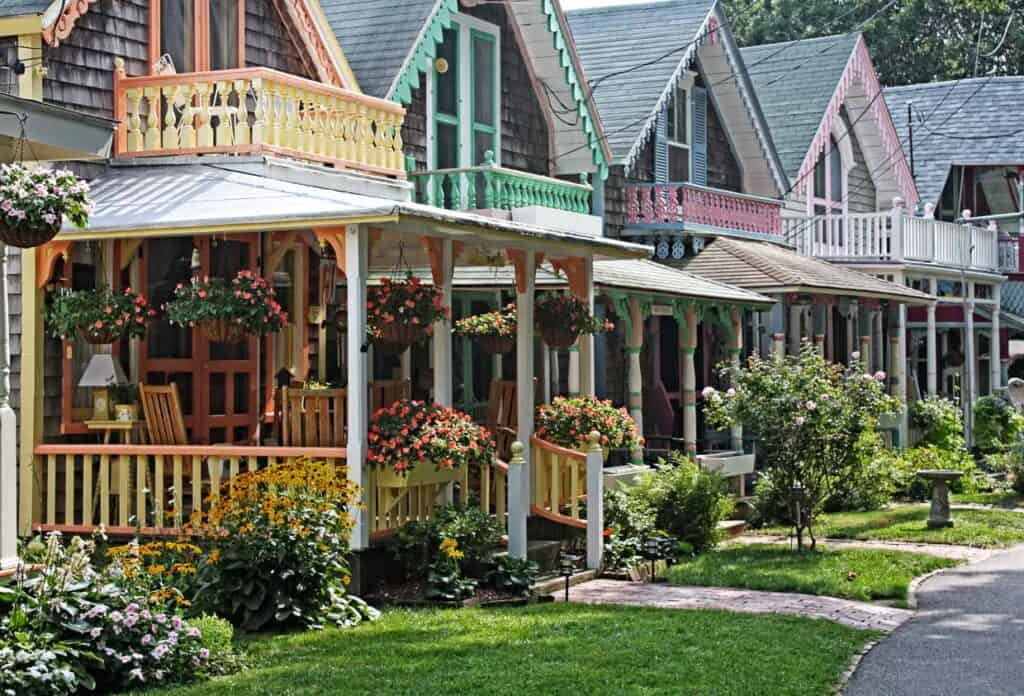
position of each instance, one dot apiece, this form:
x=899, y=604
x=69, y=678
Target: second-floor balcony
x=895, y=236
x=674, y=205
x=257, y=111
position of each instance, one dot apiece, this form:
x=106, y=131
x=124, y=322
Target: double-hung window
x=679, y=135
x=198, y=35
x=828, y=181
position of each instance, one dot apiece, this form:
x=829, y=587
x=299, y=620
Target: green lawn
x=862, y=574
x=908, y=523
x=553, y=649
x=1001, y=499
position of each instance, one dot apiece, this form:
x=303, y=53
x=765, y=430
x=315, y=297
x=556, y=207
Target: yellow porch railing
x=253, y=111
x=149, y=488
x=559, y=483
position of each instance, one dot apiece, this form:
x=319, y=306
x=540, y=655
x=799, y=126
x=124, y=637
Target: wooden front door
x=217, y=382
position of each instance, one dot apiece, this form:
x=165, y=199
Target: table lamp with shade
x=102, y=372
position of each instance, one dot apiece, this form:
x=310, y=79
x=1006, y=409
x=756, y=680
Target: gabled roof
x=802, y=85
x=770, y=268
x=962, y=124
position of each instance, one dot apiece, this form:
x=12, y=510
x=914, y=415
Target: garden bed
x=412, y=594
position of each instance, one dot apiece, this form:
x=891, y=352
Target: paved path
x=964, y=553
x=850, y=613
x=965, y=639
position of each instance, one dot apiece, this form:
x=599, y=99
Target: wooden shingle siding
x=723, y=169
x=267, y=43
x=80, y=71
x=861, y=196
x=615, y=189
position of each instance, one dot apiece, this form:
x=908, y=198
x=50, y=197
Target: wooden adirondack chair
x=161, y=409
x=502, y=419
x=313, y=417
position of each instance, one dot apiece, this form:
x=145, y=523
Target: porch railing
x=1009, y=255
x=489, y=186
x=149, y=488
x=256, y=110
x=559, y=483
x=670, y=204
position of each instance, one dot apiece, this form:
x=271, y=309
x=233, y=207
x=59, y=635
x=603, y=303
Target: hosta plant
x=569, y=422
x=100, y=316
x=413, y=433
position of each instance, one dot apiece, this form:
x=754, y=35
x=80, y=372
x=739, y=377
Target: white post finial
x=965, y=213
x=929, y=211
x=993, y=226
x=898, y=202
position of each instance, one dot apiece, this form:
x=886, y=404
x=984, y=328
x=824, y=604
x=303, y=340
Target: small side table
x=109, y=427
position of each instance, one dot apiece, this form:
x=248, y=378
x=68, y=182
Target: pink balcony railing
x=660, y=204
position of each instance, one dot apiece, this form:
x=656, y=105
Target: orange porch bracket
x=335, y=238
x=46, y=260
x=433, y=247
x=575, y=272
x=518, y=258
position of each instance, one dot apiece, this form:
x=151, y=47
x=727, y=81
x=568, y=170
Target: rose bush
x=410, y=433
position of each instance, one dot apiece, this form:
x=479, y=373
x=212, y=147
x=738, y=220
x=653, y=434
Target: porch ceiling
x=262, y=195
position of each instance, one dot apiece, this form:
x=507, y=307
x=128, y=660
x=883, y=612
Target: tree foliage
x=912, y=41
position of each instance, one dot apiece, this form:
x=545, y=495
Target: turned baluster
x=205, y=128
x=171, y=135
x=134, y=97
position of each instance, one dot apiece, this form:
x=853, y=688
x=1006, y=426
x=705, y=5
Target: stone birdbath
x=939, y=516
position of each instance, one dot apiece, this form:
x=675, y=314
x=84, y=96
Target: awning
x=50, y=132
x=769, y=268
x=237, y=196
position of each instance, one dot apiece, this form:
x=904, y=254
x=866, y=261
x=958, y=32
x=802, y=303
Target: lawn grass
x=552, y=649
x=1008, y=499
x=862, y=574
x=989, y=528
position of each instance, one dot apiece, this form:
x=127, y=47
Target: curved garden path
x=664, y=596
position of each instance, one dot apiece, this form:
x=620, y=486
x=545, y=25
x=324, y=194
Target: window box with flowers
x=400, y=313
x=414, y=443
x=98, y=316
x=562, y=317
x=495, y=332
x=227, y=312
x=569, y=421
x=34, y=202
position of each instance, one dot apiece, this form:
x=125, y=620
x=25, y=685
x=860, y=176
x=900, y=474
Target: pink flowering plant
x=99, y=314
x=500, y=322
x=569, y=421
x=247, y=301
x=36, y=197
x=563, y=309
x=412, y=433
x=808, y=415
x=403, y=304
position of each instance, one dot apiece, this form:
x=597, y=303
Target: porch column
x=898, y=369
x=519, y=490
x=497, y=362
x=358, y=372
x=851, y=330
x=574, y=369
x=864, y=323
x=734, y=357
x=442, y=339
x=776, y=328
x=819, y=328
x=545, y=368
x=755, y=332
x=586, y=341
x=31, y=412
x=830, y=335
x=877, y=339
x=556, y=374
x=8, y=436
x=688, y=342
x=795, y=332
x=634, y=346
x=932, y=350
x=995, y=357
x=971, y=360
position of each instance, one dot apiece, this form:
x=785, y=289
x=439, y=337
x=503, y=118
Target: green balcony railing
x=489, y=186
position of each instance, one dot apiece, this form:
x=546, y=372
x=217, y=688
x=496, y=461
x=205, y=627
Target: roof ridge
x=965, y=80
x=626, y=6
x=809, y=39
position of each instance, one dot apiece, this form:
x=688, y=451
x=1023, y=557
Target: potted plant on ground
x=495, y=332
x=34, y=202
x=401, y=312
x=99, y=316
x=227, y=312
x=562, y=317
x=414, y=443
x=569, y=421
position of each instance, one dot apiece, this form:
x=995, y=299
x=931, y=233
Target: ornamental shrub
x=217, y=637
x=476, y=533
x=248, y=301
x=98, y=313
x=940, y=422
x=871, y=484
x=407, y=434
x=501, y=322
x=997, y=424
x=403, y=302
x=569, y=421
x=809, y=414
x=279, y=538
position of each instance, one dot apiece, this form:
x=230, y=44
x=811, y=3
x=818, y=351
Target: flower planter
x=495, y=344
x=422, y=475
x=98, y=337
x=222, y=330
x=559, y=336
x=26, y=236
x=397, y=337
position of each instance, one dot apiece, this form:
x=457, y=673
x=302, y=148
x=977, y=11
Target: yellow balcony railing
x=256, y=111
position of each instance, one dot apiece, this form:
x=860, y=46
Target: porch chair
x=313, y=417
x=385, y=392
x=502, y=419
x=161, y=409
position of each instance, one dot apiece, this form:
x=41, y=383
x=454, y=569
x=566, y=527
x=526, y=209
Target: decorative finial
x=594, y=438
x=489, y=158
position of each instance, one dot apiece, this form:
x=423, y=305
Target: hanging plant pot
x=99, y=337
x=559, y=336
x=396, y=337
x=25, y=235
x=495, y=344
x=222, y=330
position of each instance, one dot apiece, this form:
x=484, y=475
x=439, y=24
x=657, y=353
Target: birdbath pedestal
x=939, y=515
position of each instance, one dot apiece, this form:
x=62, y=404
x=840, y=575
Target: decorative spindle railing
x=559, y=483
x=671, y=204
x=149, y=488
x=256, y=110
x=489, y=186
x=1009, y=256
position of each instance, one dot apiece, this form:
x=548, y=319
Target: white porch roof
x=226, y=195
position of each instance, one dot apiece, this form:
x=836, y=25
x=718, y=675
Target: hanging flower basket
x=34, y=202
x=99, y=316
x=562, y=317
x=494, y=332
x=401, y=313
x=227, y=312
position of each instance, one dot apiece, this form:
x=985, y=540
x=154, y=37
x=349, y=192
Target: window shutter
x=699, y=147
x=661, y=147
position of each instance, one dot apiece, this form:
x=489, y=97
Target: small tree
x=809, y=415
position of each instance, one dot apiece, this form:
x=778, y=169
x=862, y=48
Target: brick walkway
x=664, y=596
x=962, y=553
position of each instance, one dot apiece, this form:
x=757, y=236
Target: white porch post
x=688, y=341
x=830, y=339
x=877, y=339
x=901, y=372
x=545, y=366
x=498, y=363
x=971, y=359
x=634, y=345
x=818, y=323
x=574, y=369
x=586, y=341
x=519, y=486
x=995, y=358
x=358, y=418
x=852, y=312
x=933, y=353
x=8, y=436
x=735, y=351
x=442, y=339
x=595, y=503
x=795, y=334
